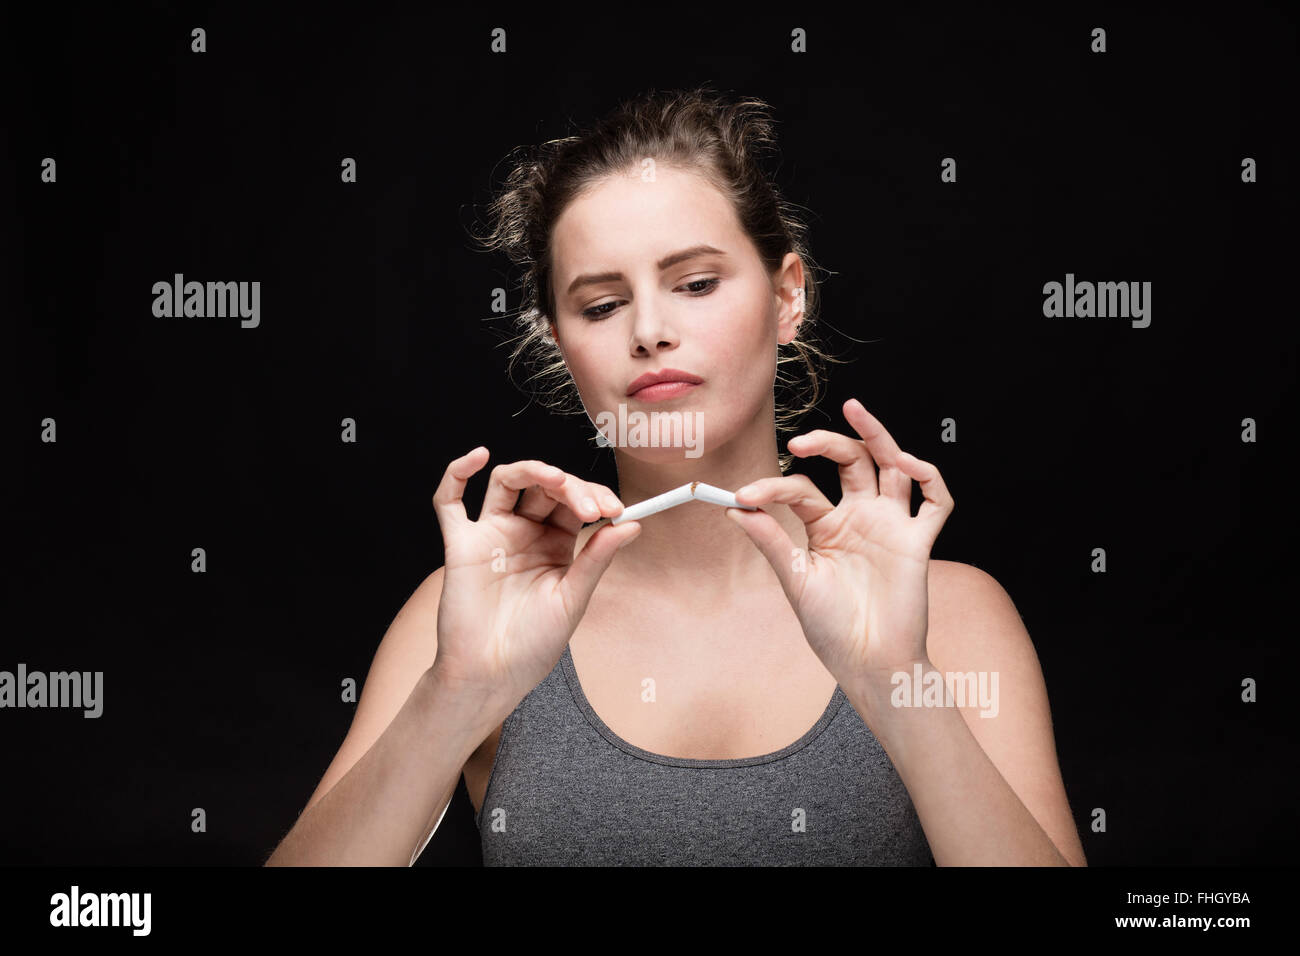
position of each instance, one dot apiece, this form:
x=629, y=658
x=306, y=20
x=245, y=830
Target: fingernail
x=589, y=505
x=747, y=489
x=612, y=503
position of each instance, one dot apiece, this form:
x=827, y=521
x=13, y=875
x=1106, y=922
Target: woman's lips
x=662, y=391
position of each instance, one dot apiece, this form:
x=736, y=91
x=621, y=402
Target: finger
x=938, y=503
x=611, y=506
x=798, y=491
x=564, y=519
x=894, y=482
x=535, y=504
x=591, y=500
x=588, y=500
x=508, y=480
x=579, y=582
x=448, y=501
x=770, y=538
x=543, y=506
x=857, y=468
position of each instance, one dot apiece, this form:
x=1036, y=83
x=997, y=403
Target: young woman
x=706, y=685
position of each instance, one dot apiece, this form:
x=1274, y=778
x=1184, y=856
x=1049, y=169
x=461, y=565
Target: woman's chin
x=663, y=454
x=654, y=435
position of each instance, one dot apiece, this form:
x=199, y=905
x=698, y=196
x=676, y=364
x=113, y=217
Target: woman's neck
x=694, y=549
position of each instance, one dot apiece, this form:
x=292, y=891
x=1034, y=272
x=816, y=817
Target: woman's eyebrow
x=666, y=262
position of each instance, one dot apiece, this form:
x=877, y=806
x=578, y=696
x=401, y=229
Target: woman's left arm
x=986, y=784
x=987, y=790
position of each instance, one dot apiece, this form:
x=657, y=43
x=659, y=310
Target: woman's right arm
x=514, y=566
x=399, y=764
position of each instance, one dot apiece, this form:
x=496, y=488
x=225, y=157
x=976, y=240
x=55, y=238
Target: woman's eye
x=598, y=312
x=595, y=313
x=709, y=284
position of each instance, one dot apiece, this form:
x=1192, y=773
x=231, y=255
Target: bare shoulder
x=962, y=598
x=421, y=608
x=408, y=647
x=406, y=651
x=975, y=629
x=974, y=621
x=949, y=578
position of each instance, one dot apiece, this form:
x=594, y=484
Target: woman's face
x=626, y=303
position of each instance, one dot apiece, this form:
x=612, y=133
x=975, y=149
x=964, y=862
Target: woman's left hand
x=861, y=589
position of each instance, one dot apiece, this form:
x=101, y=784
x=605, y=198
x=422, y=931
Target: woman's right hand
x=513, y=592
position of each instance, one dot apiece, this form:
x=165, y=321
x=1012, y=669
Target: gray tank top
x=565, y=790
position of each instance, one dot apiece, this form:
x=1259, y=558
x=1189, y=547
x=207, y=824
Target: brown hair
x=726, y=142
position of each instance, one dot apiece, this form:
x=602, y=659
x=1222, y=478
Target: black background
x=222, y=689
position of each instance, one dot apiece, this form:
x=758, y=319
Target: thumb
x=579, y=582
x=770, y=538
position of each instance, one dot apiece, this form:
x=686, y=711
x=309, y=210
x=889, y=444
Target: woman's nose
x=650, y=332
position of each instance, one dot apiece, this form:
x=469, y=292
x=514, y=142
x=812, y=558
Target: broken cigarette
x=696, y=490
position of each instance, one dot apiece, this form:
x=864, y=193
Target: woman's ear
x=790, y=293
x=791, y=315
